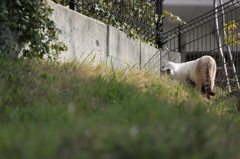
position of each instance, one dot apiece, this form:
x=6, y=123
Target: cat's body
x=200, y=72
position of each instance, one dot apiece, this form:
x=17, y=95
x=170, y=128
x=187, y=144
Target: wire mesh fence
x=208, y=35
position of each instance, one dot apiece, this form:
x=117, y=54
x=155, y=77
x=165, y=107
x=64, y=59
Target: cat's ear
x=165, y=60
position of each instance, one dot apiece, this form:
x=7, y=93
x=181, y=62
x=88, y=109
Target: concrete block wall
x=150, y=57
x=87, y=39
x=122, y=50
x=84, y=36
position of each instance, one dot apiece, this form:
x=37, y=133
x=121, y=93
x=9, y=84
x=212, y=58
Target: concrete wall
x=122, y=50
x=83, y=36
x=87, y=38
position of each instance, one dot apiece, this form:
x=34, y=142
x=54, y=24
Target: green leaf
x=18, y=3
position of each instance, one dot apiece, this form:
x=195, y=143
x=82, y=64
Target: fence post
x=72, y=5
x=181, y=44
x=159, y=9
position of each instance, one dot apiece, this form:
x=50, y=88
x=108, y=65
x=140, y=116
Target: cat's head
x=167, y=67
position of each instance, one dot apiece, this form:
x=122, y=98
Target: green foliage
x=29, y=20
x=173, y=17
x=75, y=110
x=232, y=36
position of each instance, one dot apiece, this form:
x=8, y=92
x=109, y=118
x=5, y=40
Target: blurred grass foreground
x=77, y=110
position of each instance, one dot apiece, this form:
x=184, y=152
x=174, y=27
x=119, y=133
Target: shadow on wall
x=12, y=40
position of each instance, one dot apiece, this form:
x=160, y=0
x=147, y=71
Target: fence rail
x=205, y=35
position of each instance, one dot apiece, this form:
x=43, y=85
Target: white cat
x=200, y=72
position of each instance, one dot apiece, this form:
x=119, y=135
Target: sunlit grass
x=80, y=110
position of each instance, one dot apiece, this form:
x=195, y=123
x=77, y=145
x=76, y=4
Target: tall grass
x=76, y=110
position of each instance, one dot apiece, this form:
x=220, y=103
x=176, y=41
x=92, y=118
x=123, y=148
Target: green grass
x=79, y=111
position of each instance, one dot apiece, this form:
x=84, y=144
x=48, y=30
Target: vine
x=233, y=36
x=29, y=21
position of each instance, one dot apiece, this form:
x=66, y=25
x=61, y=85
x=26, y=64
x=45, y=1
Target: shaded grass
x=76, y=110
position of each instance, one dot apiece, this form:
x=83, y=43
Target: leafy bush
x=29, y=20
x=232, y=36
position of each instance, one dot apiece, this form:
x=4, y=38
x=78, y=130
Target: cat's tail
x=210, y=73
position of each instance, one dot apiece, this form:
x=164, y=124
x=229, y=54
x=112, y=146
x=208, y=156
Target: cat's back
x=207, y=59
x=203, y=63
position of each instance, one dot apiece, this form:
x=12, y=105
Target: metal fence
x=138, y=18
x=203, y=35
x=206, y=35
